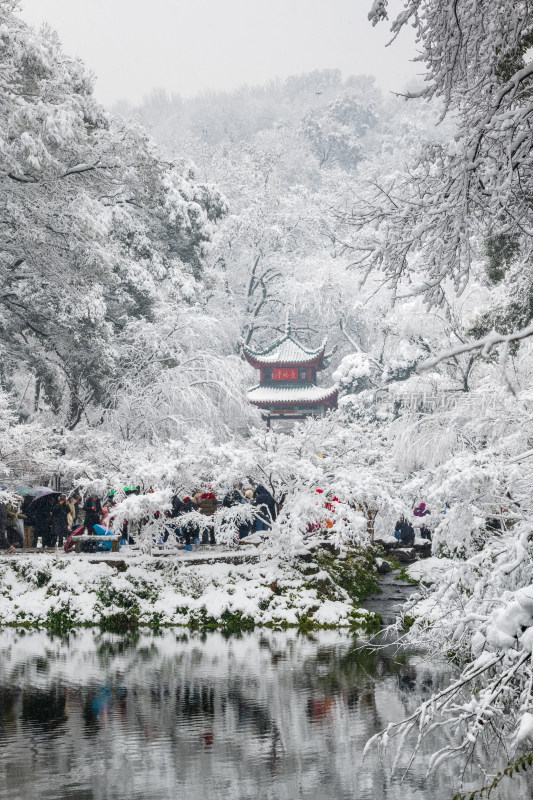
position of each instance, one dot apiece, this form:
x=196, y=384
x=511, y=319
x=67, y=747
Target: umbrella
x=36, y=492
x=126, y=489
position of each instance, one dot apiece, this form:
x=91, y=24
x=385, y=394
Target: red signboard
x=285, y=374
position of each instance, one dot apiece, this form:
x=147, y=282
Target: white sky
x=187, y=46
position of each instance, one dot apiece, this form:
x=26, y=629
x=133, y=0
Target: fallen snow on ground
x=389, y=538
x=42, y=589
x=429, y=570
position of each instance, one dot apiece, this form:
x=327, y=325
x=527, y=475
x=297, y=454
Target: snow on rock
x=429, y=570
x=332, y=612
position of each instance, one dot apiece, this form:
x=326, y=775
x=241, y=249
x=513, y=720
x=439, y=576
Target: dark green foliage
x=42, y=578
x=60, y=621
x=109, y=595
x=305, y=622
x=501, y=249
x=120, y=622
x=521, y=764
x=369, y=622
x=510, y=61
x=124, y=620
x=505, y=319
x=228, y=623
x=403, y=372
x=516, y=312
x=144, y=590
x=355, y=573
x=405, y=577
x=235, y=623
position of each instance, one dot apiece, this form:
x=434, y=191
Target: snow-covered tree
x=427, y=225
x=459, y=206
x=103, y=244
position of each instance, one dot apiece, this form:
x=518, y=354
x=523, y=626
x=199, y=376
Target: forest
x=141, y=248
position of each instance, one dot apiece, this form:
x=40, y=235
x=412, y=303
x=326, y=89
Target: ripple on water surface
x=268, y=716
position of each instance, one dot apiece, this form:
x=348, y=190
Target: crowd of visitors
x=47, y=516
x=53, y=518
x=404, y=530
x=206, y=503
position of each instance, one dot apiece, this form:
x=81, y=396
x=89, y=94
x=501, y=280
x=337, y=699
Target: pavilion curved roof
x=286, y=350
x=272, y=395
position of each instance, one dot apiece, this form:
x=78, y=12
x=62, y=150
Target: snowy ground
x=429, y=570
x=58, y=591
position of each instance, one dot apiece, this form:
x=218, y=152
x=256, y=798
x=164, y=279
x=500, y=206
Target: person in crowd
x=43, y=522
x=127, y=538
x=15, y=525
x=172, y=520
x=404, y=532
x=422, y=511
x=207, y=505
x=93, y=512
x=265, y=507
x=189, y=529
x=248, y=497
x=75, y=504
x=425, y=533
x=61, y=512
x=28, y=509
x=4, y=543
x=186, y=531
x=232, y=498
x=177, y=506
x=235, y=497
x=169, y=525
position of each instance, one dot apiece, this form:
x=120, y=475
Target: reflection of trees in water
x=8, y=711
x=275, y=710
x=351, y=675
x=44, y=709
x=193, y=701
x=109, y=648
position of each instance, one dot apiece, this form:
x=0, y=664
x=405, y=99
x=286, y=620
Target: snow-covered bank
x=429, y=570
x=41, y=590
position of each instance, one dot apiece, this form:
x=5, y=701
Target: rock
x=305, y=557
x=387, y=544
x=252, y=538
x=383, y=566
x=405, y=556
x=330, y=547
x=422, y=549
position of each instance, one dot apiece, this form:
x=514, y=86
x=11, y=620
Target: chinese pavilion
x=287, y=384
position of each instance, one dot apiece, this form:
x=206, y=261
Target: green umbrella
x=125, y=489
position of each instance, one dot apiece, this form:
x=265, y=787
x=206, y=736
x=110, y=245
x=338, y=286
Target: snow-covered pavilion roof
x=286, y=350
x=259, y=395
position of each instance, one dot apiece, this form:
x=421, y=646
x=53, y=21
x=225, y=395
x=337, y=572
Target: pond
x=267, y=715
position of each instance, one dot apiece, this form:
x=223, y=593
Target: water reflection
x=268, y=716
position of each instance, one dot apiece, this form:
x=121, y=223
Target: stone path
x=393, y=595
